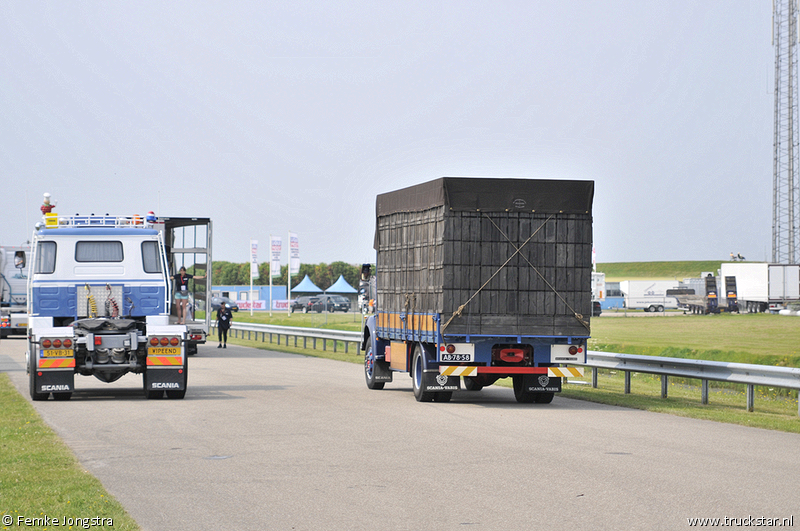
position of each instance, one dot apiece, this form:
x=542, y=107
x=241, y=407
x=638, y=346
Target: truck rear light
x=46, y=343
x=512, y=355
x=450, y=349
x=98, y=341
x=164, y=341
x=56, y=343
x=67, y=343
x=153, y=341
x=174, y=341
x=573, y=350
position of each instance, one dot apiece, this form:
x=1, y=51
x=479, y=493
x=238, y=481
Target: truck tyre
x=32, y=381
x=470, y=385
x=418, y=375
x=369, y=368
x=660, y=308
x=520, y=393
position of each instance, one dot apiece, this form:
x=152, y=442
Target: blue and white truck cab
x=99, y=304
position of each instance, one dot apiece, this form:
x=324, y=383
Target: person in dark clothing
x=224, y=318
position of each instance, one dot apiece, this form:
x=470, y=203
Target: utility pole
x=785, y=191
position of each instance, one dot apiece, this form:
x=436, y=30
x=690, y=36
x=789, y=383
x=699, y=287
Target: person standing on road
x=224, y=319
x=182, y=292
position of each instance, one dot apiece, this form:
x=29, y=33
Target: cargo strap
x=460, y=309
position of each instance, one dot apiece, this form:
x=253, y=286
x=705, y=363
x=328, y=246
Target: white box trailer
x=649, y=295
x=764, y=287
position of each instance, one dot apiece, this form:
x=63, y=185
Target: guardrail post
x=334, y=345
x=295, y=341
x=751, y=397
x=627, y=382
x=594, y=377
x=270, y=338
x=704, y=392
x=279, y=339
x=664, y=385
x=304, y=342
x=314, y=343
x=346, y=345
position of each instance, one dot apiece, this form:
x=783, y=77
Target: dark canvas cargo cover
x=505, y=256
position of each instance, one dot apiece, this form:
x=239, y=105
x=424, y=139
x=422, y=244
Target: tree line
x=322, y=275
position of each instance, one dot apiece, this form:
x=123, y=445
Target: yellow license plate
x=164, y=351
x=55, y=353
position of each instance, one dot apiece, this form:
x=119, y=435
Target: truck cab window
x=89, y=251
x=46, y=257
x=150, y=257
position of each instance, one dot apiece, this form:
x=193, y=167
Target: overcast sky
x=276, y=116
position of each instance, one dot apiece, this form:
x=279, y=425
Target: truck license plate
x=55, y=353
x=456, y=358
x=164, y=351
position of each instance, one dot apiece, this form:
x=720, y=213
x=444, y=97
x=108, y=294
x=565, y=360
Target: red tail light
x=573, y=350
x=57, y=343
x=451, y=349
x=512, y=355
x=164, y=341
x=67, y=343
x=174, y=341
x=153, y=341
x=46, y=343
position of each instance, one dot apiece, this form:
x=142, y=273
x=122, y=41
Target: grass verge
x=41, y=479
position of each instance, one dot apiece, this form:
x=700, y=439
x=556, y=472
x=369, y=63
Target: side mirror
x=19, y=259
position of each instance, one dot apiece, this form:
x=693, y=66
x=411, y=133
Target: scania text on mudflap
x=480, y=279
x=100, y=302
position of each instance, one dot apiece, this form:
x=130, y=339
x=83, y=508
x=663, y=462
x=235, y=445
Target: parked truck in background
x=649, y=295
x=100, y=301
x=481, y=279
x=13, y=289
x=763, y=287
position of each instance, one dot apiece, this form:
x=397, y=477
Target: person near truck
x=182, y=292
x=224, y=318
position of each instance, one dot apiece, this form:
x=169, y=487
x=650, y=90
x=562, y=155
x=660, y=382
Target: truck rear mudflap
x=166, y=373
x=59, y=382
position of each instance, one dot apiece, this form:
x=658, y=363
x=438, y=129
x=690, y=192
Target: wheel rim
x=369, y=363
x=418, y=371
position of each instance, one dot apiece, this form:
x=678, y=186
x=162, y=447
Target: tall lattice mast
x=785, y=193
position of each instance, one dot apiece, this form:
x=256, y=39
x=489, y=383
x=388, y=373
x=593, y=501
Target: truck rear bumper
x=466, y=370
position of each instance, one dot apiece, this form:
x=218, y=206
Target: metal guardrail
x=741, y=373
x=705, y=371
x=268, y=332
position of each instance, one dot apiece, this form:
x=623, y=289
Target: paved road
x=266, y=440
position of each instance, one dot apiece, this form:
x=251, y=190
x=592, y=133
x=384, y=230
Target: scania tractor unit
x=13, y=289
x=481, y=279
x=100, y=301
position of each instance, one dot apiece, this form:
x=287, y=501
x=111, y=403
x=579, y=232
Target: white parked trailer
x=764, y=287
x=649, y=295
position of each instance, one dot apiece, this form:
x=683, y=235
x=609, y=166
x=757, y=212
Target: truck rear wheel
x=418, y=375
x=369, y=368
x=471, y=385
x=521, y=393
